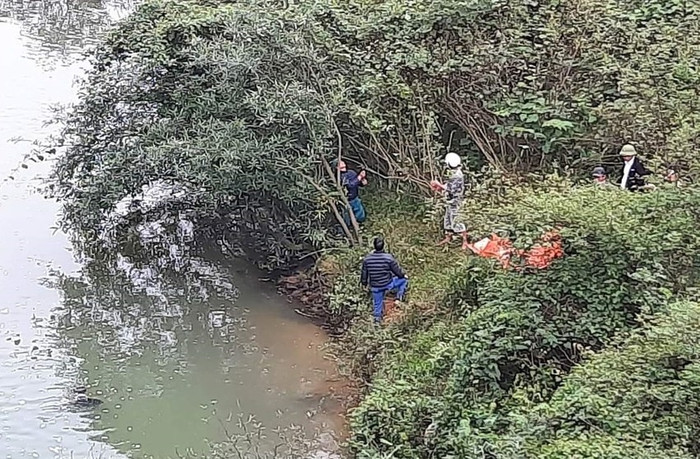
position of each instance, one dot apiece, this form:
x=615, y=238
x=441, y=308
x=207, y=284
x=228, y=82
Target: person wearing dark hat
x=382, y=273
x=633, y=171
x=600, y=178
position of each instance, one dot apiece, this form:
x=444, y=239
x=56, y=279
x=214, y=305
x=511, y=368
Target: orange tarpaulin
x=493, y=247
x=540, y=256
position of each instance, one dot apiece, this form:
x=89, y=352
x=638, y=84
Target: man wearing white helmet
x=454, y=194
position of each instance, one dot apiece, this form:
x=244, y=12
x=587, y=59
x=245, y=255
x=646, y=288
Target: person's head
x=342, y=167
x=599, y=174
x=628, y=152
x=453, y=160
x=671, y=175
x=379, y=244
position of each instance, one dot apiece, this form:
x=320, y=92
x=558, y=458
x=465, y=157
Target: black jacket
x=379, y=269
x=635, y=180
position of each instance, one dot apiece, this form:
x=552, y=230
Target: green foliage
x=608, y=447
x=189, y=96
x=456, y=388
x=525, y=84
x=241, y=105
x=238, y=103
x=345, y=299
x=641, y=394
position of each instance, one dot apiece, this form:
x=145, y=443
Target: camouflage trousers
x=452, y=222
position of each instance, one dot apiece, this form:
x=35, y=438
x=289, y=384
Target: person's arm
x=437, y=186
x=364, y=277
x=362, y=177
x=641, y=170
x=396, y=269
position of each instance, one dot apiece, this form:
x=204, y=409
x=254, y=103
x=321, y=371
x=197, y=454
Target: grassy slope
x=411, y=235
x=398, y=360
x=411, y=229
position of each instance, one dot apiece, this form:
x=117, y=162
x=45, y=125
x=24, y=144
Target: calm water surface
x=178, y=343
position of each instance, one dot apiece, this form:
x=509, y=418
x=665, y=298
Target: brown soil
x=309, y=289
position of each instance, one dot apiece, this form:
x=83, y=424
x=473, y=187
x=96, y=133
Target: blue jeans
x=378, y=293
x=358, y=209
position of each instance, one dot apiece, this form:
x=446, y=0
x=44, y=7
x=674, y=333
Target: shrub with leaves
x=189, y=96
x=519, y=333
x=525, y=85
x=637, y=398
x=242, y=104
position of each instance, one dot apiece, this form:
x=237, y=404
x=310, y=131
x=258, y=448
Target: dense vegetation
x=242, y=105
x=239, y=109
x=470, y=377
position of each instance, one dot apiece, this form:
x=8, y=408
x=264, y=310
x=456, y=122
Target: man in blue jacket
x=352, y=181
x=382, y=273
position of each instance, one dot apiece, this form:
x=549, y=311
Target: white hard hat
x=453, y=160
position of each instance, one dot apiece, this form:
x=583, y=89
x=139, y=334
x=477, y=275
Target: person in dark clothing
x=382, y=273
x=633, y=171
x=352, y=181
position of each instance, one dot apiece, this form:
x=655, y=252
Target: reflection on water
x=58, y=30
x=176, y=352
x=172, y=342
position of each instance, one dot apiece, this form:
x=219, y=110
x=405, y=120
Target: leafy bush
x=242, y=104
x=522, y=84
x=520, y=332
x=642, y=394
x=608, y=447
x=188, y=96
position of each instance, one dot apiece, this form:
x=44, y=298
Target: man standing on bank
x=454, y=195
x=382, y=273
x=633, y=171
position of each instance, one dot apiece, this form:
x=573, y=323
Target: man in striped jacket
x=382, y=273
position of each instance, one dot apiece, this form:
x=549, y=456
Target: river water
x=178, y=347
